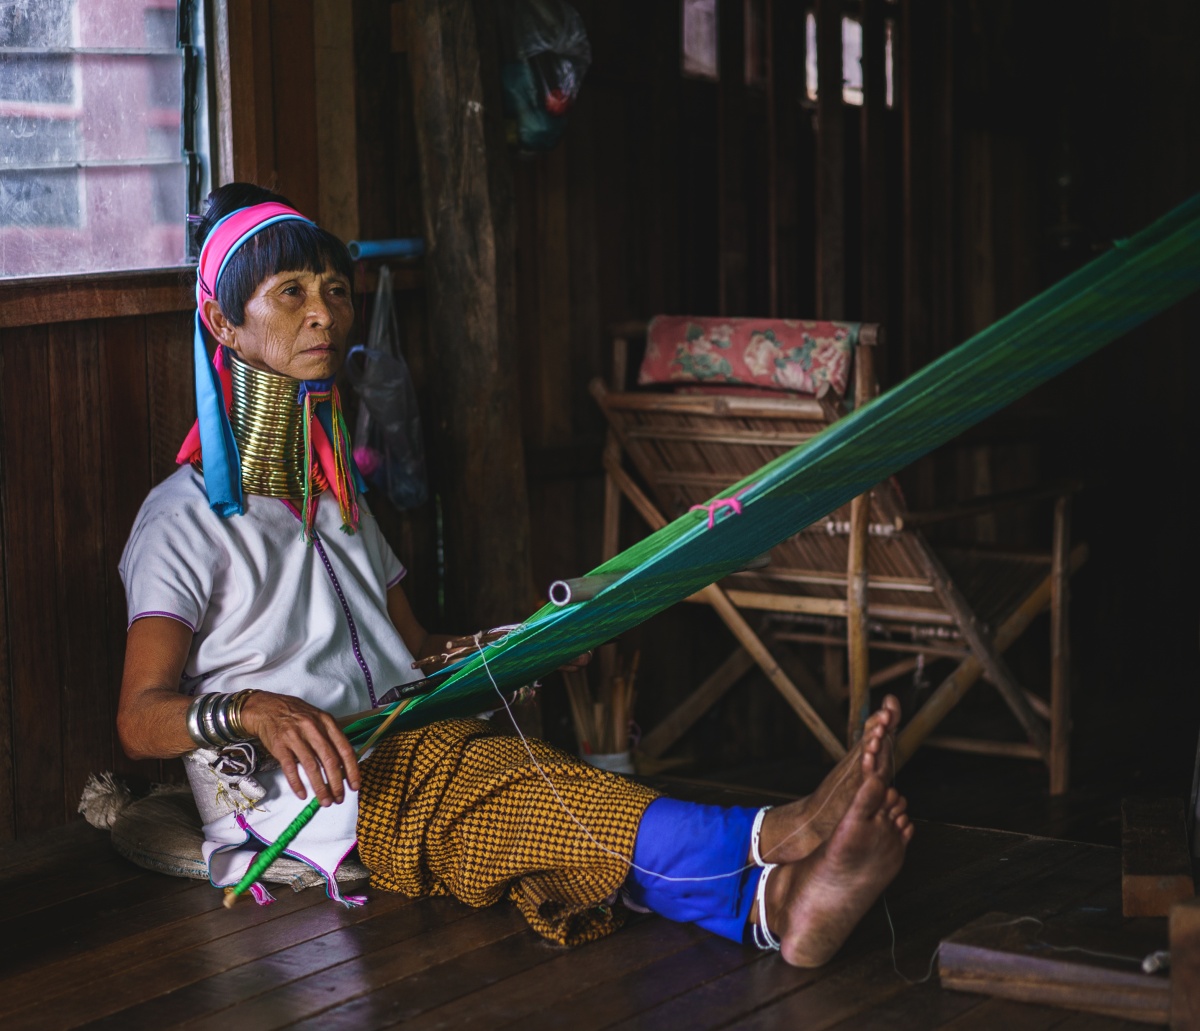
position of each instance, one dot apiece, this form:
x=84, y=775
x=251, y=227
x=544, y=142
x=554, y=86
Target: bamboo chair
x=864, y=581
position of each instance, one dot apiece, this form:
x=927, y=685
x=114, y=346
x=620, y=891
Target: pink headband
x=227, y=236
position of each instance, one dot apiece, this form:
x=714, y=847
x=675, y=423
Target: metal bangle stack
x=215, y=720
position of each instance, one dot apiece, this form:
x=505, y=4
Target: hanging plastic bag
x=388, y=445
x=549, y=56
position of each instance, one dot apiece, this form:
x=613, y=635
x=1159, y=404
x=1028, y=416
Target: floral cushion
x=797, y=355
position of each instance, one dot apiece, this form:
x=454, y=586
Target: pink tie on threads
x=713, y=507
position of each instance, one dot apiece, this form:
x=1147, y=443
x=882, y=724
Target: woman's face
x=296, y=324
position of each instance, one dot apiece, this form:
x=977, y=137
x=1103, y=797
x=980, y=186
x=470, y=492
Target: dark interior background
x=1024, y=139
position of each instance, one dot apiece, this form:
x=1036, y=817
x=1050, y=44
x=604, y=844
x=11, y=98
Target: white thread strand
x=628, y=860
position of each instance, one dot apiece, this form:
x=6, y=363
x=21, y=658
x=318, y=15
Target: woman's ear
x=224, y=330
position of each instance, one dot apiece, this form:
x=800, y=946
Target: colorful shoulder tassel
x=330, y=451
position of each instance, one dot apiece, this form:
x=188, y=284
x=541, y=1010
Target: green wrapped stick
x=272, y=852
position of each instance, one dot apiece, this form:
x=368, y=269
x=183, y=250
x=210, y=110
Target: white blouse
x=270, y=612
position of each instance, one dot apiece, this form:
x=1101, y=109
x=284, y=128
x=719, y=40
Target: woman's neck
x=268, y=426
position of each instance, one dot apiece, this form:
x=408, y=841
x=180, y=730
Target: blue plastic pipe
x=407, y=247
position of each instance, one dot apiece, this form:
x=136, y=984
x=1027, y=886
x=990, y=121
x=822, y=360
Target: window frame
x=41, y=299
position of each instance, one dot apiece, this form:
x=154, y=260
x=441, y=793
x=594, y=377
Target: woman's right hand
x=299, y=734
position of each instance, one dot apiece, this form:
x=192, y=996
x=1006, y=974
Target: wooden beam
x=785, y=45
x=731, y=156
x=951, y=691
x=681, y=718
x=470, y=257
x=44, y=300
x=874, y=165
x=831, y=164
x=1156, y=867
x=918, y=90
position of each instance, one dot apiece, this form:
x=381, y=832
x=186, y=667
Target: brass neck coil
x=268, y=426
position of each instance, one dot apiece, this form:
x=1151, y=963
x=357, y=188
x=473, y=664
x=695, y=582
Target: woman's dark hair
x=284, y=247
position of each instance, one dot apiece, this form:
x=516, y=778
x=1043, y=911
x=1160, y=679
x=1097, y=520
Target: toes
x=891, y=798
x=891, y=705
x=869, y=798
x=907, y=833
x=897, y=807
x=903, y=822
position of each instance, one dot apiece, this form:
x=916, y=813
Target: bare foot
x=813, y=905
x=795, y=830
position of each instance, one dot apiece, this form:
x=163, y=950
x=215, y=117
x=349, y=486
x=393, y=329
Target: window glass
x=852, y=79
x=97, y=142
x=700, y=38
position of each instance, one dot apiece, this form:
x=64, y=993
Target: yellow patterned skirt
x=456, y=809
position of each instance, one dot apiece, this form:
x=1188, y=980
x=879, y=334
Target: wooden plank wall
x=91, y=415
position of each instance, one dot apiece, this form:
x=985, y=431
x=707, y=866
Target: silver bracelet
x=208, y=723
x=194, y=728
x=221, y=718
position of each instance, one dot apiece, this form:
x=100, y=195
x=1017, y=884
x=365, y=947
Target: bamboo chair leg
x=994, y=667
x=1060, y=650
x=857, y=653
x=951, y=691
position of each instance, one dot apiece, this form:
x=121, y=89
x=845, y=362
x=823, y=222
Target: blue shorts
x=688, y=840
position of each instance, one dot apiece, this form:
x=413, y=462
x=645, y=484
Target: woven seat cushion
x=162, y=832
x=796, y=355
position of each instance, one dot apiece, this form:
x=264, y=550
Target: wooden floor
x=89, y=939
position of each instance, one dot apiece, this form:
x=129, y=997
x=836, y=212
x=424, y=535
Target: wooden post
x=731, y=156
x=479, y=472
x=1060, y=649
x=337, y=144
x=831, y=144
x=1184, y=935
x=857, y=651
x=785, y=44
x=874, y=170
x=244, y=116
x=1156, y=866
x=611, y=542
